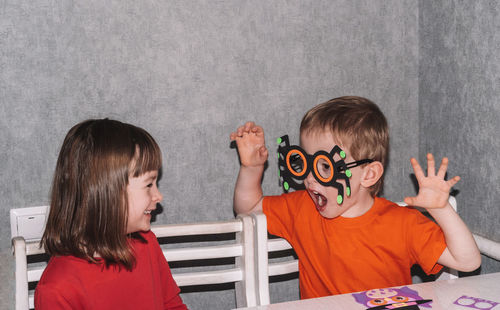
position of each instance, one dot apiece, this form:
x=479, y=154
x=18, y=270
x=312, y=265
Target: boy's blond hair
x=358, y=125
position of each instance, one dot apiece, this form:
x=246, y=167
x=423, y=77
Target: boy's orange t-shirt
x=344, y=255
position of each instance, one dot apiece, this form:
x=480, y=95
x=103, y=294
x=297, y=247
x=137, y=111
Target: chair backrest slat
x=209, y=277
x=221, y=251
x=279, y=244
x=33, y=248
x=192, y=229
x=283, y=267
x=35, y=273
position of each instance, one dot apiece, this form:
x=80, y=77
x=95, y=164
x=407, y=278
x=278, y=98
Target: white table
x=443, y=294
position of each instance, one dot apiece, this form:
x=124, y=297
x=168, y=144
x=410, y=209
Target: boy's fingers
x=249, y=125
x=453, y=181
x=443, y=167
x=431, y=166
x=263, y=151
x=257, y=129
x=419, y=173
x=234, y=136
x=244, y=128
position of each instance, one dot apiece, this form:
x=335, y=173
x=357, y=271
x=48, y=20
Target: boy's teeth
x=147, y=212
x=320, y=200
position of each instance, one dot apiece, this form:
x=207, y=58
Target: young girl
x=103, y=254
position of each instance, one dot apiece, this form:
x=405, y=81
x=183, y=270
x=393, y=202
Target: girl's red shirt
x=69, y=282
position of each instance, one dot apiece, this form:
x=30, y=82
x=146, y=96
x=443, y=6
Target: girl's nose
x=157, y=196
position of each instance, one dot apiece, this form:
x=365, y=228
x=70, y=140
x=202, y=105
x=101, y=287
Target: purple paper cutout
x=475, y=303
x=389, y=295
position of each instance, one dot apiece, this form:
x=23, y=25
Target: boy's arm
x=461, y=251
x=253, y=155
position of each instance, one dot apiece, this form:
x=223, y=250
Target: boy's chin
x=331, y=212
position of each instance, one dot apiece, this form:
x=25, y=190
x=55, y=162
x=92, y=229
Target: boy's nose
x=310, y=177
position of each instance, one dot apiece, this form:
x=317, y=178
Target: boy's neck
x=362, y=204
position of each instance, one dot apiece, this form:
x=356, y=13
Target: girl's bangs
x=147, y=157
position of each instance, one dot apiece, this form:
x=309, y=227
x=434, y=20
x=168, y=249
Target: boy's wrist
x=249, y=177
x=440, y=211
x=253, y=168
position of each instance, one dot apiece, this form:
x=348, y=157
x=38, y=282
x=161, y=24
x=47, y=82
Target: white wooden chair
x=266, y=268
x=238, y=249
x=242, y=273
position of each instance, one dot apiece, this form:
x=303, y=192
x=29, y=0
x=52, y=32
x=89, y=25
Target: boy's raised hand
x=434, y=190
x=251, y=144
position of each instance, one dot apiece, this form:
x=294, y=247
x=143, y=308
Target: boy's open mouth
x=319, y=200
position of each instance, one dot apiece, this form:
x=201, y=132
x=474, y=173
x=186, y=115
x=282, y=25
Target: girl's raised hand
x=251, y=144
x=434, y=190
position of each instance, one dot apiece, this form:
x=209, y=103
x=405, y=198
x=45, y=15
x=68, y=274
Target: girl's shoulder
x=65, y=262
x=64, y=270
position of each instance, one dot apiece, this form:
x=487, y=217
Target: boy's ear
x=372, y=173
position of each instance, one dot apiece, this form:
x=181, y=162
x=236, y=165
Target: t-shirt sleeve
x=427, y=242
x=171, y=298
x=280, y=212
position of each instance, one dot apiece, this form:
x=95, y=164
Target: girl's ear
x=372, y=173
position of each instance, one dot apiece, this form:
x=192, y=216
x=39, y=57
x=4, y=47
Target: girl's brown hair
x=89, y=208
x=357, y=123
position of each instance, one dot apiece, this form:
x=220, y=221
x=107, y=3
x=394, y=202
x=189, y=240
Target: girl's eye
x=150, y=185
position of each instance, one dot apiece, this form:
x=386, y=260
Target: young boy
x=347, y=239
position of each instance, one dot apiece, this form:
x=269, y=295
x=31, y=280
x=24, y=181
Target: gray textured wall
x=459, y=105
x=190, y=72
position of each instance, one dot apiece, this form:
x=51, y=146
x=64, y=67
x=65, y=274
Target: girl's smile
x=143, y=195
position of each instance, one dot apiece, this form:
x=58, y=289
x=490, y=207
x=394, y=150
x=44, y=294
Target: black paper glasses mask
x=295, y=164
